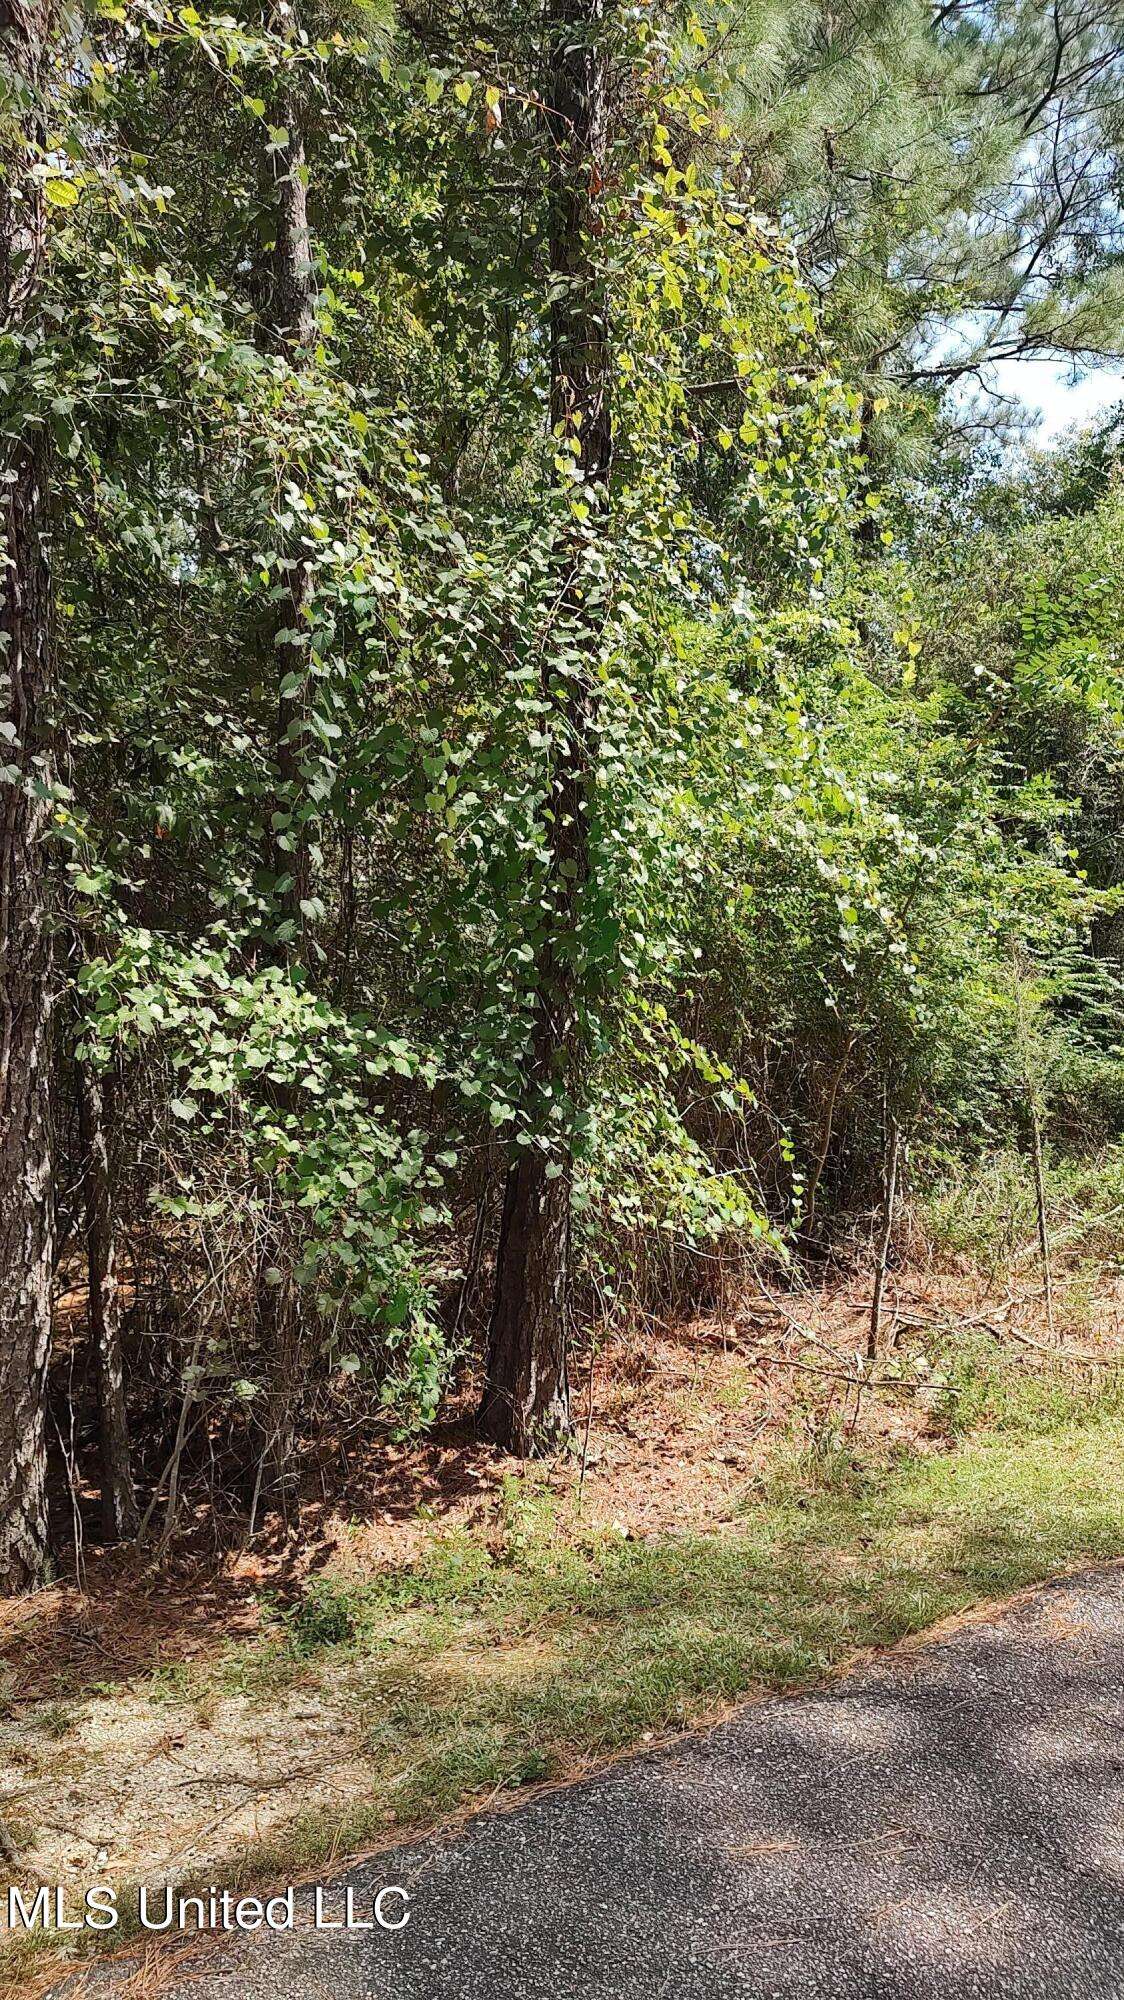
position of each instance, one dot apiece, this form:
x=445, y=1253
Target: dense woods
x=556, y=741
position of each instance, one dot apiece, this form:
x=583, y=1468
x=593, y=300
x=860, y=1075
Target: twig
x=1063, y=1353
x=852, y=1381
x=893, y=1151
x=1002, y=1333
x=171, y=1470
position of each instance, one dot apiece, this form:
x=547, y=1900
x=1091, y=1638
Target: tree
x=287, y=326
x=948, y=176
x=526, y=1398
x=26, y=1189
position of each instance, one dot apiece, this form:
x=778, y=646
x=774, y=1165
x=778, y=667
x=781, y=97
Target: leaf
x=61, y=194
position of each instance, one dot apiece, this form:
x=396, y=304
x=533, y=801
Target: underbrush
x=985, y=1215
x=491, y=1664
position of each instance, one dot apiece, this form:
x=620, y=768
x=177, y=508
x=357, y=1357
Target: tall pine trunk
x=119, y=1516
x=26, y=1207
x=526, y=1403
x=287, y=326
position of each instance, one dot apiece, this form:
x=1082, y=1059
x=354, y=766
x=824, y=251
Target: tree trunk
x=118, y=1501
x=526, y=1404
x=279, y=1335
x=287, y=325
x=26, y=1207
x=893, y=1151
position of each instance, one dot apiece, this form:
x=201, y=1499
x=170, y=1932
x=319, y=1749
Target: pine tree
x=26, y=1190
x=948, y=176
x=526, y=1400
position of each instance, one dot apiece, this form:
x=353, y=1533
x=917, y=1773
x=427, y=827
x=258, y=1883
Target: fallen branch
x=840, y=1375
x=1002, y=1333
x=1063, y=1353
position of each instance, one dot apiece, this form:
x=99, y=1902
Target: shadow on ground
x=950, y=1823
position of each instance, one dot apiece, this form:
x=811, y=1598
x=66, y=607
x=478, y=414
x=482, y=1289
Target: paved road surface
x=948, y=1823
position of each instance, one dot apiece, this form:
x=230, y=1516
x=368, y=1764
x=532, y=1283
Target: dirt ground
x=681, y=1418
x=151, y=1783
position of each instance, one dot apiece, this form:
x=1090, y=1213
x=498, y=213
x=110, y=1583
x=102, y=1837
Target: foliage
x=857, y=749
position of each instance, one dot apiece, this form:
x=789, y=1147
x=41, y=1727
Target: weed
x=329, y=1613
x=51, y=1718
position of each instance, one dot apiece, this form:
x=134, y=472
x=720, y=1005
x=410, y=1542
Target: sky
x=1059, y=401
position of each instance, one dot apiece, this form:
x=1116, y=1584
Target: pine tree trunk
x=26, y=1204
x=287, y=326
x=119, y=1515
x=526, y=1403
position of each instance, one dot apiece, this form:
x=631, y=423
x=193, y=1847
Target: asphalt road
x=950, y=1822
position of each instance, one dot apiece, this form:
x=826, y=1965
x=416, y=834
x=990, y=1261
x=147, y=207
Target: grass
x=985, y=1213
x=476, y=1663
x=499, y=1661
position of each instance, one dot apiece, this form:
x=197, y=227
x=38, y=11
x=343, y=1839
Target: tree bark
x=287, y=326
x=26, y=1208
x=526, y=1403
x=119, y=1515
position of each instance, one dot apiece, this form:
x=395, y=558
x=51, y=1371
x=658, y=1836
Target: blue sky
x=1058, y=399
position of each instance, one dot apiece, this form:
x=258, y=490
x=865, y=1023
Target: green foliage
x=948, y=178
x=830, y=797
x=326, y=1615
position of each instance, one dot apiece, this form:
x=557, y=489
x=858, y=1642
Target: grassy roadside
x=501, y=1659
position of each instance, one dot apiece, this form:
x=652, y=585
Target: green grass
x=495, y=1663
x=479, y=1668
x=986, y=1213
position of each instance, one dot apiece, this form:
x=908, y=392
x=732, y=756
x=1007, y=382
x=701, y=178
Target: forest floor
x=743, y=1517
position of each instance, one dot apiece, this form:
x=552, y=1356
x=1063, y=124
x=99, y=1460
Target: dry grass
x=751, y=1515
